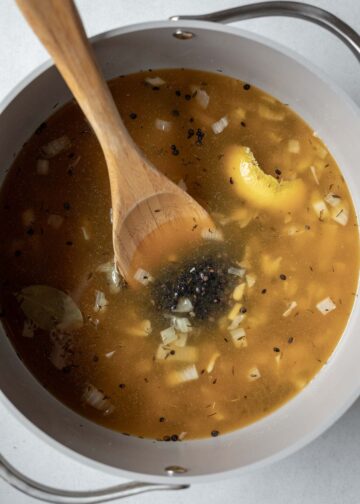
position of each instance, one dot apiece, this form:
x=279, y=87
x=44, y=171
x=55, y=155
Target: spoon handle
x=58, y=26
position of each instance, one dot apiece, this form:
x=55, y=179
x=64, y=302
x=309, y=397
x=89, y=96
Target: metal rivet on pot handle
x=307, y=12
x=48, y=494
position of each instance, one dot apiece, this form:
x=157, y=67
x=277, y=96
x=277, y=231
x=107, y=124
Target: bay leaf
x=50, y=308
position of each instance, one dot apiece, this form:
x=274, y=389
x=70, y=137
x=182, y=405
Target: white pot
x=333, y=116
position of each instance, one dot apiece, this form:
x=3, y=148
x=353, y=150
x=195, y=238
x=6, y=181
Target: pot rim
x=346, y=402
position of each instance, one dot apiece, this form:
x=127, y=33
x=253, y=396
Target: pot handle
x=308, y=12
x=47, y=494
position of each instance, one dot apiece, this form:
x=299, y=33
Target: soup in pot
x=212, y=339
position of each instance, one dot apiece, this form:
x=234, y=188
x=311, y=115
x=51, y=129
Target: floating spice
x=204, y=280
x=200, y=136
x=174, y=150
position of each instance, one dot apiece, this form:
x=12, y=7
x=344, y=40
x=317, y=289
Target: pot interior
x=336, y=121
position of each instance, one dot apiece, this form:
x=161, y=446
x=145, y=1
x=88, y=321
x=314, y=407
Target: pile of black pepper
x=204, y=280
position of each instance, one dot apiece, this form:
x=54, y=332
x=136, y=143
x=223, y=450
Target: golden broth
x=110, y=365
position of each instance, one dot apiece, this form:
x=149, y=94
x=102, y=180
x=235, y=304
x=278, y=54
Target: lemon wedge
x=258, y=188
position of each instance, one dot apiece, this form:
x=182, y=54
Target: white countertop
x=325, y=472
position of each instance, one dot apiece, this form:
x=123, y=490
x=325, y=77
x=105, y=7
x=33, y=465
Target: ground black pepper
x=215, y=433
x=133, y=115
x=246, y=87
x=282, y=276
x=204, y=280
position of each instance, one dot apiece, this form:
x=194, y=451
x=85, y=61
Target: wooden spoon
x=152, y=217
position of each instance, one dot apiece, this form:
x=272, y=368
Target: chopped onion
x=340, y=215
x=236, y=322
x=234, y=311
x=314, y=174
x=250, y=279
x=238, y=337
x=182, y=185
x=162, y=125
x=178, y=354
x=97, y=399
x=181, y=340
x=56, y=146
x=28, y=217
x=220, y=125
x=85, y=233
x=108, y=355
x=326, y=306
x=55, y=221
x=143, y=276
x=162, y=352
x=143, y=329
x=168, y=335
x=111, y=215
x=294, y=230
x=212, y=234
x=254, y=374
x=278, y=358
x=320, y=151
x=332, y=199
x=289, y=309
x=184, y=305
x=211, y=364
x=29, y=328
x=238, y=292
x=188, y=373
x=240, y=113
x=272, y=115
x=100, y=301
x=294, y=146
x=202, y=98
x=113, y=277
x=240, y=272
x=182, y=435
x=181, y=324
x=42, y=166
x=61, y=352
x=155, y=81
x=270, y=266
x=320, y=208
